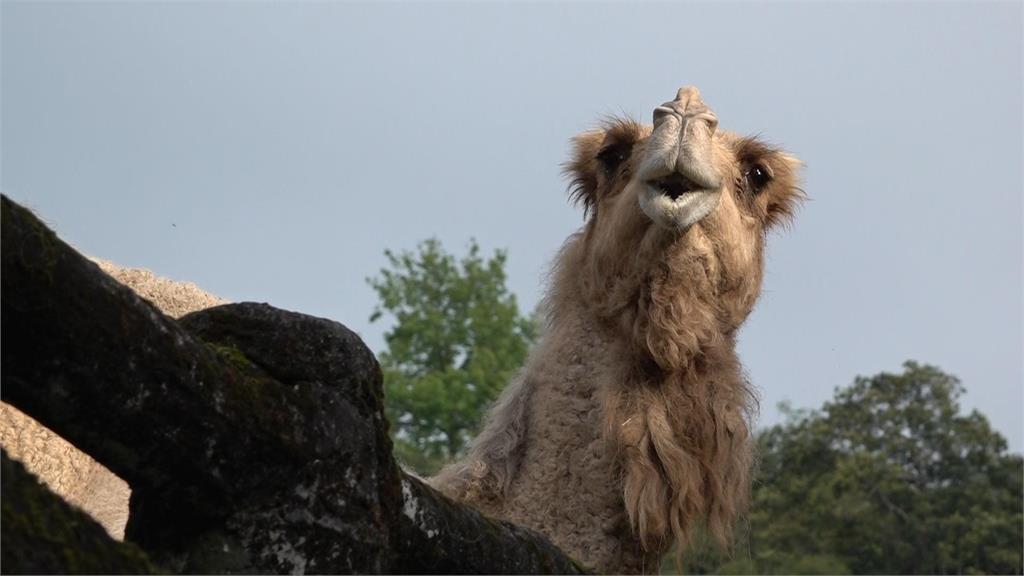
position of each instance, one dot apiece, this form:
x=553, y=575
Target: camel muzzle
x=680, y=182
x=682, y=141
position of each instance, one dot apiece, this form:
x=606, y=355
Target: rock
x=336, y=509
x=253, y=438
x=67, y=471
x=43, y=535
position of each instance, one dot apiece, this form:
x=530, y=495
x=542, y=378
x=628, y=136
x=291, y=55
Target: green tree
x=888, y=477
x=457, y=339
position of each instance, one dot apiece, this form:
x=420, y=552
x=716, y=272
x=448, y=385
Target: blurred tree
x=888, y=477
x=458, y=338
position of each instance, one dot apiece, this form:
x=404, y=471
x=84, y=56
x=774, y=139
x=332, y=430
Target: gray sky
x=271, y=152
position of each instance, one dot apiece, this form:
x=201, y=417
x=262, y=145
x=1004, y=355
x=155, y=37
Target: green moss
x=249, y=394
x=230, y=354
x=246, y=387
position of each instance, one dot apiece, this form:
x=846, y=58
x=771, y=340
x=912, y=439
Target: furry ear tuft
x=582, y=169
x=787, y=196
x=782, y=195
x=600, y=154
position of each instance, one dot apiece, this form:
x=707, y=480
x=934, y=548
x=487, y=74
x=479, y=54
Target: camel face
x=679, y=171
x=682, y=205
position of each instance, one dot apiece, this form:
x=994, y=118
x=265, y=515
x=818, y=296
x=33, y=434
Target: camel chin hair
x=630, y=423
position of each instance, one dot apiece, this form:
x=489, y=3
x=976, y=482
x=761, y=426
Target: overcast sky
x=273, y=151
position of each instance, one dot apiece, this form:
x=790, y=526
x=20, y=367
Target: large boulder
x=253, y=439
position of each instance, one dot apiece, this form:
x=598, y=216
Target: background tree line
x=888, y=477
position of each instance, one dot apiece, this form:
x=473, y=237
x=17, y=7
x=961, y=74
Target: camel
x=630, y=422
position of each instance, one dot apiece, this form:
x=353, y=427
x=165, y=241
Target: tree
x=888, y=477
x=457, y=339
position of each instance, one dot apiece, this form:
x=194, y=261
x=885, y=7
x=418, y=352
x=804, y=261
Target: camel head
x=679, y=171
x=681, y=198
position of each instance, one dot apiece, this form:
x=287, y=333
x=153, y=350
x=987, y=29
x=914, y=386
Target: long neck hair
x=679, y=414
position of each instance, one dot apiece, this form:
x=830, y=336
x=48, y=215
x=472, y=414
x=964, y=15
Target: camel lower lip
x=677, y=213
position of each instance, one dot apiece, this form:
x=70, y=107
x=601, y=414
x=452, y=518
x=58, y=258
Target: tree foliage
x=887, y=477
x=457, y=339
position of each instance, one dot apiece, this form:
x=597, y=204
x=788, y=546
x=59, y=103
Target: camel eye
x=758, y=176
x=612, y=155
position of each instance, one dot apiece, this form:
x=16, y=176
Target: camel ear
x=780, y=195
x=582, y=169
x=785, y=195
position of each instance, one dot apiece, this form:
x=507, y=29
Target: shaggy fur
x=67, y=471
x=630, y=422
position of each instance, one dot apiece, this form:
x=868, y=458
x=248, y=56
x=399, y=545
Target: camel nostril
x=687, y=105
x=712, y=121
x=662, y=112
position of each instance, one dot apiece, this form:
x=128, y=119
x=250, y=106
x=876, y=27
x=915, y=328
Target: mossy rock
x=43, y=535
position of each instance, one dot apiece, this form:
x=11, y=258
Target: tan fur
x=67, y=471
x=630, y=422
x=70, y=473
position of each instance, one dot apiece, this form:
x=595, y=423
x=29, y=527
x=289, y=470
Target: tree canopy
x=889, y=477
x=457, y=339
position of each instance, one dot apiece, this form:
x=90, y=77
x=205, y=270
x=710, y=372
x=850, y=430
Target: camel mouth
x=676, y=202
x=674, y=185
